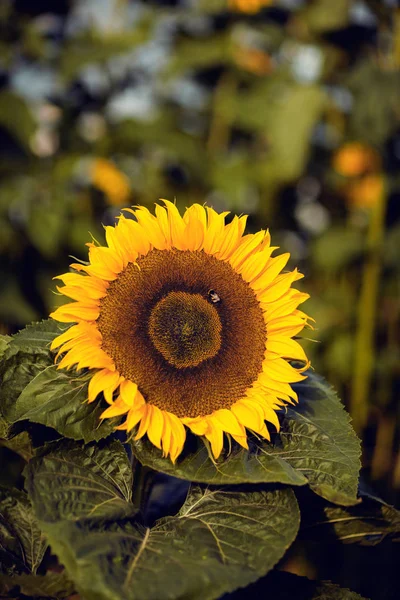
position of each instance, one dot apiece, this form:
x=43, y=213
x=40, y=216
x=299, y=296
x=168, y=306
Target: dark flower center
x=185, y=329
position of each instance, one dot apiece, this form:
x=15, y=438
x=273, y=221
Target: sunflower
x=184, y=321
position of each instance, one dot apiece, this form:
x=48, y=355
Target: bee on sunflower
x=184, y=322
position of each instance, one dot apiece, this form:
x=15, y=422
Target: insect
x=213, y=297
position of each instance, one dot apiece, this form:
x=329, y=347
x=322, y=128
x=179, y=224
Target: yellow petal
x=145, y=422
x=286, y=348
x=215, y=436
x=76, y=311
x=178, y=436
x=117, y=409
x=226, y=420
x=250, y=415
x=134, y=416
x=72, y=332
x=274, y=267
x=196, y=222
x=280, y=370
x=242, y=440
x=177, y=226
x=249, y=244
x=214, y=232
x=166, y=438
x=133, y=238
x=256, y=264
x=128, y=392
x=156, y=426
x=100, y=381
x=231, y=239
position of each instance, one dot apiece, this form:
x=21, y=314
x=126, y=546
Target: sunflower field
x=199, y=299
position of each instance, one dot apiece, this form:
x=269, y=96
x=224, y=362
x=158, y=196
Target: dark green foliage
x=368, y=523
x=22, y=544
x=51, y=585
x=316, y=446
x=221, y=539
x=33, y=389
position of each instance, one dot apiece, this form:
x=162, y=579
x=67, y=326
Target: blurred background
x=287, y=110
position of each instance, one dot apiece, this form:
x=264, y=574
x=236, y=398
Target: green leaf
x=26, y=354
x=327, y=590
x=319, y=441
x=68, y=481
x=219, y=540
x=21, y=444
x=51, y=585
x=4, y=342
x=261, y=465
x=58, y=399
x=16, y=116
x=281, y=585
x=36, y=335
x=22, y=544
x=368, y=523
x=33, y=389
x=317, y=445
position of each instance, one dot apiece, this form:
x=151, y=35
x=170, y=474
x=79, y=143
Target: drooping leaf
x=36, y=335
x=26, y=354
x=219, y=540
x=58, y=399
x=262, y=464
x=21, y=444
x=319, y=441
x=33, y=389
x=317, y=445
x=281, y=585
x=22, y=544
x=327, y=590
x=50, y=585
x=4, y=341
x=69, y=481
x=368, y=523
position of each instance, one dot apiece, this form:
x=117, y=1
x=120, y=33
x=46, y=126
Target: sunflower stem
x=142, y=485
x=366, y=323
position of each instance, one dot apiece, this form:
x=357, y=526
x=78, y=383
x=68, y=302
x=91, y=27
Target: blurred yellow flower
x=355, y=158
x=366, y=191
x=111, y=181
x=248, y=6
x=253, y=60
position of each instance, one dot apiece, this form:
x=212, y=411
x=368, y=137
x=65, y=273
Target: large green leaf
x=20, y=444
x=262, y=464
x=4, y=342
x=317, y=445
x=69, y=481
x=22, y=545
x=319, y=441
x=33, y=389
x=37, y=335
x=368, y=523
x=220, y=539
x=51, y=585
x=58, y=399
x=281, y=585
x=26, y=354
